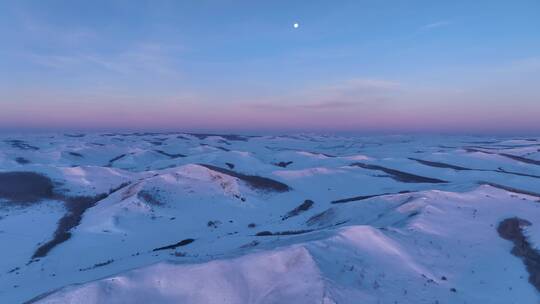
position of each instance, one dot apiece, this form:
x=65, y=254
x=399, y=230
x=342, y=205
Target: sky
x=380, y=66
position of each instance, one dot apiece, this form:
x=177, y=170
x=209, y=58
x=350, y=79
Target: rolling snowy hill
x=202, y=218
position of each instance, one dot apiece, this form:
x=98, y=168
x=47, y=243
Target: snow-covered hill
x=202, y=218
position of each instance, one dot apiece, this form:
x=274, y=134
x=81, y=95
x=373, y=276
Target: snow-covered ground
x=199, y=218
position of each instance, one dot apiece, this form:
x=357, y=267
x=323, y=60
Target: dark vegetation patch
x=256, y=182
x=139, y=134
x=400, y=175
x=231, y=137
x=481, y=142
x=459, y=168
x=283, y=164
x=173, y=246
x=97, y=265
x=222, y=148
x=213, y=224
x=149, y=198
x=216, y=147
x=250, y=244
x=25, y=187
x=439, y=164
x=306, y=205
x=521, y=159
x=75, y=154
x=75, y=135
x=22, y=160
x=76, y=206
x=364, y=197
x=501, y=170
x=112, y=160
x=287, y=232
x=513, y=157
x=512, y=229
x=511, y=189
x=20, y=144
x=322, y=218
x=171, y=155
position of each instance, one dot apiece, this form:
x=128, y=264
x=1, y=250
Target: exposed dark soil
x=173, y=156
x=25, y=187
x=173, y=246
x=364, y=197
x=400, y=175
x=256, y=182
x=512, y=229
x=306, y=205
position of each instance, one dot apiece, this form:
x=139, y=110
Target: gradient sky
x=360, y=66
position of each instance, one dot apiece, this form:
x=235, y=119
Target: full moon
x=295, y=25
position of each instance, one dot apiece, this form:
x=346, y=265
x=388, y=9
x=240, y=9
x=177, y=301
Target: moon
x=295, y=25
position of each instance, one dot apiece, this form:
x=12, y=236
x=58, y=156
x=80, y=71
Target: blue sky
x=463, y=66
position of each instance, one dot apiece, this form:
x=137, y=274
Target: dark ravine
x=254, y=181
x=400, y=176
x=512, y=229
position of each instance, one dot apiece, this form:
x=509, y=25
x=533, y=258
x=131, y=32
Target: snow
x=396, y=242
